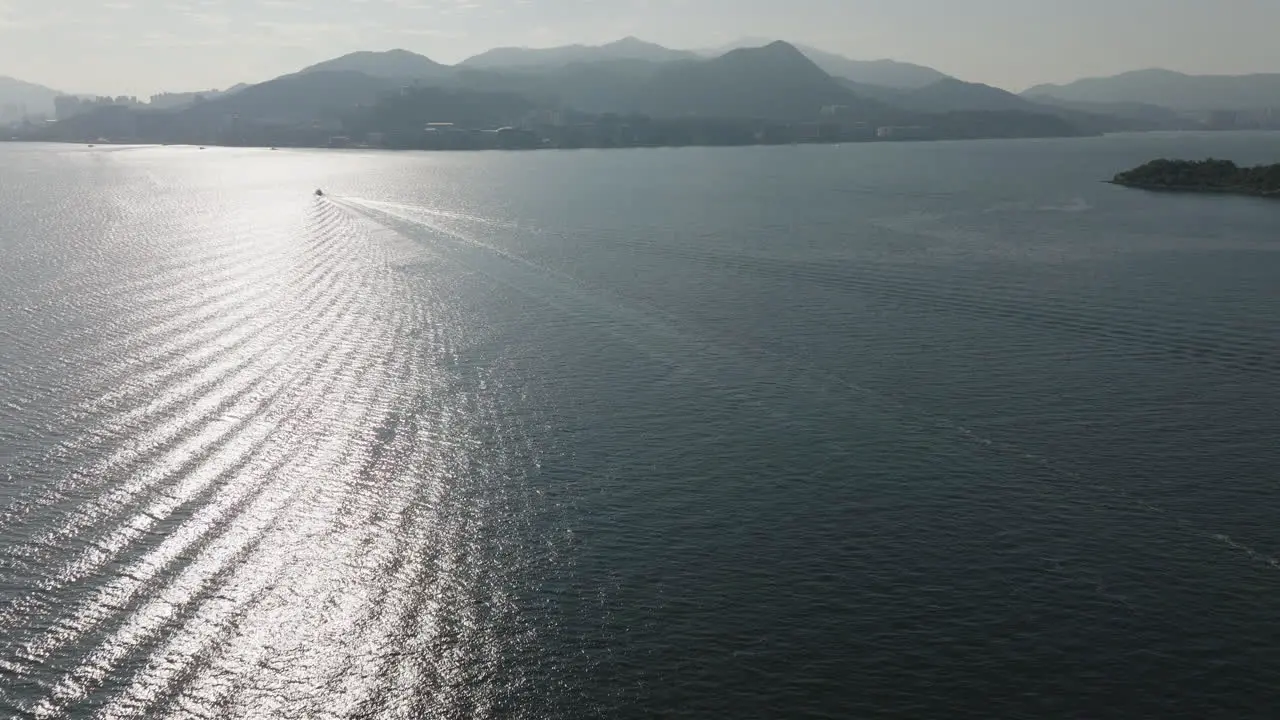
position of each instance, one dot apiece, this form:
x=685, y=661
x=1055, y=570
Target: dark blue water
x=921, y=430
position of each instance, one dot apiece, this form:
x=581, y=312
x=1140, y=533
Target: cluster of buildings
x=117, y=119
x=15, y=113
x=69, y=106
x=446, y=136
x=560, y=129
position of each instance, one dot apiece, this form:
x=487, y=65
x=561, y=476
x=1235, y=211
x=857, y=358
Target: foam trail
x=412, y=214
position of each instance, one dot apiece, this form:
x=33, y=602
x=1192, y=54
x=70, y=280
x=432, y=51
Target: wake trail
x=657, y=319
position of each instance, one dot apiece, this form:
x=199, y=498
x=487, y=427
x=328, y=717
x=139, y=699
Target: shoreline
x=1196, y=190
x=1210, y=176
x=637, y=146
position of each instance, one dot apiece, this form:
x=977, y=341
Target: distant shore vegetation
x=1216, y=176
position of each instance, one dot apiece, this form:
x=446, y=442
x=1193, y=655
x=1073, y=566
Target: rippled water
x=937, y=430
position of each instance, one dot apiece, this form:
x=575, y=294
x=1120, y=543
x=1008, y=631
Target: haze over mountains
x=890, y=73
x=389, y=64
x=767, y=81
x=628, y=48
x=776, y=81
x=1173, y=90
x=18, y=99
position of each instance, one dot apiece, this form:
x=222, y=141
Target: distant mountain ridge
x=890, y=73
x=776, y=81
x=1153, y=117
x=628, y=48
x=388, y=64
x=951, y=95
x=756, y=89
x=1169, y=89
x=884, y=72
x=630, y=74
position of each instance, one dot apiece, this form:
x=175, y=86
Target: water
x=935, y=430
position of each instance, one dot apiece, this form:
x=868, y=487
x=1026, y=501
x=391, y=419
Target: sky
x=138, y=47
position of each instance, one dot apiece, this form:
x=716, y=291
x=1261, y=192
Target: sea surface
x=936, y=430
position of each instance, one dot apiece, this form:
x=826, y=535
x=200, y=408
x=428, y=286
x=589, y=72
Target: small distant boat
x=319, y=192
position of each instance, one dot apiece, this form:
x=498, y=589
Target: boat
x=319, y=192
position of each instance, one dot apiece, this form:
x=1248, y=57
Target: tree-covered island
x=1209, y=176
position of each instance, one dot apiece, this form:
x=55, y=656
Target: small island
x=1205, y=176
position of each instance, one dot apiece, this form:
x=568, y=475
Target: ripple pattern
x=770, y=432
x=278, y=493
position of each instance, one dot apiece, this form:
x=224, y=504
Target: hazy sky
x=141, y=46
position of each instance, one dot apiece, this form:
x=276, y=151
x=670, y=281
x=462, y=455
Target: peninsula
x=1204, y=176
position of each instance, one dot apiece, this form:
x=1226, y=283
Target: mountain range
x=389, y=64
x=776, y=81
x=768, y=81
x=726, y=98
x=405, y=65
x=1174, y=90
x=628, y=48
x=889, y=73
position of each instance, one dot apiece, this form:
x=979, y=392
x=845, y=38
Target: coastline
x=1196, y=189
x=758, y=142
